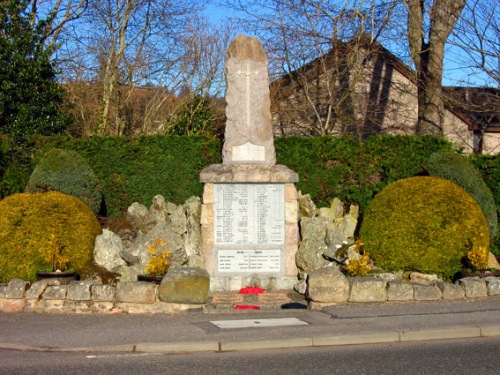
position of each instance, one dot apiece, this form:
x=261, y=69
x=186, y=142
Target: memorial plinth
x=249, y=215
x=249, y=225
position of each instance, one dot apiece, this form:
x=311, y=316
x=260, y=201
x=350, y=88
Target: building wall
x=383, y=100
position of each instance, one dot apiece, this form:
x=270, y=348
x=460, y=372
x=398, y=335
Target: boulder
x=328, y=285
x=16, y=288
x=399, y=291
x=342, y=229
x=185, y=285
x=103, y=293
x=368, y=289
x=306, y=205
x=423, y=278
x=192, y=241
x=309, y=256
x=108, y=247
x=474, y=287
x=427, y=292
x=492, y=262
x=493, y=285
x=136, y=292
x=452, y=291
x=137, y=216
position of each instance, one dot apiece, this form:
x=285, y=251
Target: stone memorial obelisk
x=249, y=210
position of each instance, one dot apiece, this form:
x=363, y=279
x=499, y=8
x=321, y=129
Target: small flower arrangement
x=158, y=263
x=53, y=256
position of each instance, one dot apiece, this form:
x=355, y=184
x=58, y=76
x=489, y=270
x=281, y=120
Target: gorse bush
x=31, y=223
x=458, y=169
x=65, y=171
x=426, y=224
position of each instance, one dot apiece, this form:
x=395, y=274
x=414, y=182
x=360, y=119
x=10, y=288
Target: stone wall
x=86, y=297
x=143, y=297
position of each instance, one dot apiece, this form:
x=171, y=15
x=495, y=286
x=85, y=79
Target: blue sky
x=455, y=73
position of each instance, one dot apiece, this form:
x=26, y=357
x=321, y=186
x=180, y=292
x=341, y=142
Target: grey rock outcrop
x=325, y=233
x=107, y=251
x=163, y=227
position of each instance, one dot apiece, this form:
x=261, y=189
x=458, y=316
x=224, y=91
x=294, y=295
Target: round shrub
x=67, y=172
x=458, y=169
x=425, y=224
x=31, y=222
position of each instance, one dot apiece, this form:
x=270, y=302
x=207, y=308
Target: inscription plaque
x=248, y=214
x=249, y=152
x=249, y=260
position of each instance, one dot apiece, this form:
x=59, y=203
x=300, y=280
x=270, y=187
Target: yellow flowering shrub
x=158, y=263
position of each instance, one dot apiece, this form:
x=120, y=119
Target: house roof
x=467, y=109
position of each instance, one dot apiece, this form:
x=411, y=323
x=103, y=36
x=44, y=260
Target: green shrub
x=425, y=224
x=31, y=222
x=352, y=170
x=458, y=169
x=136, y=169
x=65, y=171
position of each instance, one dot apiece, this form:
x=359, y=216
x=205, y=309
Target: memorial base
x=268, y=283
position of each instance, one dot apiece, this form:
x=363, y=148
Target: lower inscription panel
x=238, y=261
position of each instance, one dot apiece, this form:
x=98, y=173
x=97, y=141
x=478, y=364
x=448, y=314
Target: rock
x=307, y=206
x=36, y=289
x=492, y=262
x=137, y=216
x=368, y=289
x=136, y=292
x=427, y=292
x=474, y=287
x=328, y=285
x=185, y=285
x=309, y=256
x=398, y=291
x=493, y=285
x=452, y=291
x=390, y=276
x=103, y=293
x=79, y=290
x=301, y=287
x=3, y=290
x=108, y=247
x=192, y=241
x=16, y=288
x=129, y=274
x=342, y=229
x=55, y=292
x=157, y=212
x=422, y=278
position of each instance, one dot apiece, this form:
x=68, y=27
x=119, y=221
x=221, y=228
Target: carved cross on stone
x=248, y=135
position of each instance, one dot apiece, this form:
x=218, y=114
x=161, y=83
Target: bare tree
x=131, y=42
x=321, y=48
x=477, y=38
x=429, y=27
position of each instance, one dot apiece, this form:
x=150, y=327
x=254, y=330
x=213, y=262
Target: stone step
x=264, y=301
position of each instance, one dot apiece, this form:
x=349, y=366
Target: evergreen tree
x=30, y=97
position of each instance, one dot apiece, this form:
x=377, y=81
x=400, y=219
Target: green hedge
x=351, y=170
x=135, y=170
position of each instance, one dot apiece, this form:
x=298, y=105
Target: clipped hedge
x=418, y=224
x=352, y=170
x=137, y=169
x=65, y=171
x=30, y=222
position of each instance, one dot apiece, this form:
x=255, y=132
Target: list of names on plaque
x=248, y=214
x=249, y=260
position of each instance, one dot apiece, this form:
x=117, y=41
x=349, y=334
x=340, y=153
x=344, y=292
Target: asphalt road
x=469, y=356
